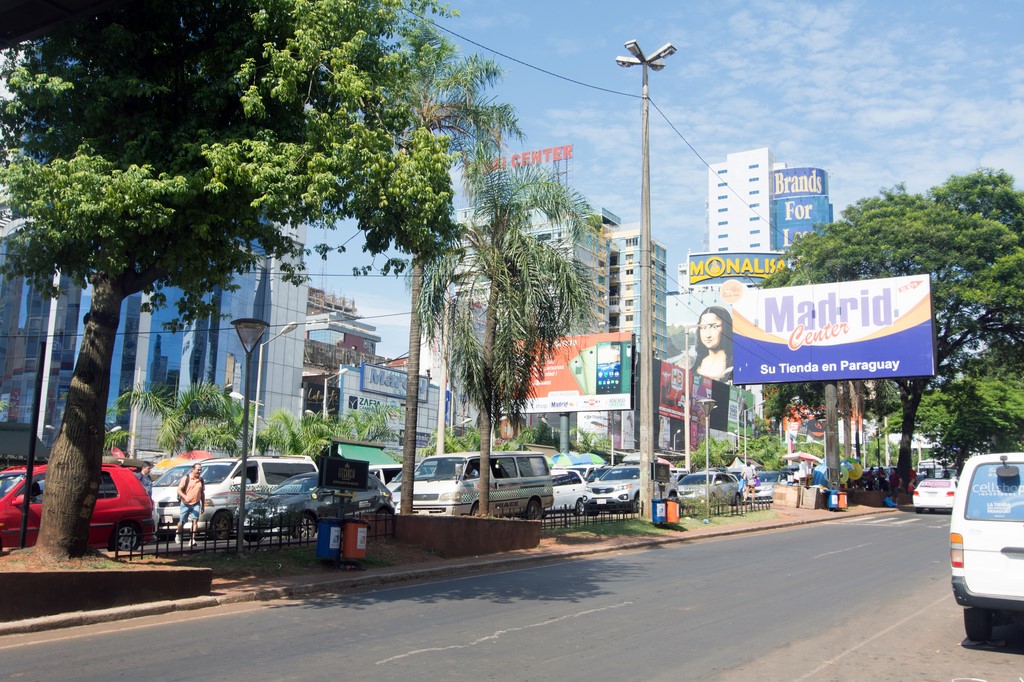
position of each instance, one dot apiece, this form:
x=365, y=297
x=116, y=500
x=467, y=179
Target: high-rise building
x=625, y=302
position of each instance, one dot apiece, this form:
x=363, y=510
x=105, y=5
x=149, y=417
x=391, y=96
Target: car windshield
x=303, y=483
x=212, y=473
x=9, y=481
x=624, y=474
x=696, y=479
x=771, y=476
x=439, y=469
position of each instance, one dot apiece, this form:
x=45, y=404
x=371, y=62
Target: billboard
x=586, y=373
x=797, y=215
x=705, y=269
x=870, y=329
x=798, y=182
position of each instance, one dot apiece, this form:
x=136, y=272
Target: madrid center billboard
x=585, y=373
x=870, y=329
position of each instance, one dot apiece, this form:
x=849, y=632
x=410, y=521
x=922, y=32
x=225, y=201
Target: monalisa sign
x=715, y=268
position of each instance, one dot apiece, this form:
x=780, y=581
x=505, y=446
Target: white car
x=986, y=546
x=570, y=490
x=934, y=494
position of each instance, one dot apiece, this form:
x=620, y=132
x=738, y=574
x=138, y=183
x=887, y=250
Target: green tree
x=516, y=296
x=202, y=417
x=965, y=234
x=309, y=434
x=446, y=93
x=174, y=144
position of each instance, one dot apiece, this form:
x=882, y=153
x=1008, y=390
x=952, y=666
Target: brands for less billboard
x=591, y=372
x=872, y=329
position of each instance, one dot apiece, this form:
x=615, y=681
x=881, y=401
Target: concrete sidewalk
x=551, y=549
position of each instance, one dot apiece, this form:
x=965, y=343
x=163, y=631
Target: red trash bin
x=353, y=541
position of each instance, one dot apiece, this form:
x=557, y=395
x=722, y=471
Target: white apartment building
x=739, y=211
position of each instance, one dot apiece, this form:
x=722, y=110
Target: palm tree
x=204, y=416
x=446, y=96
x=308, y=435
x=516, y=295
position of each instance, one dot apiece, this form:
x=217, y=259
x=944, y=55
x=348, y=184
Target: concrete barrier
x=458, y=536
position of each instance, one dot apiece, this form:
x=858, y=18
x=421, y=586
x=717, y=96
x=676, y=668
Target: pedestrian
x=749, y=481
x=144, y=479
x=191, y=501
x=894, y=484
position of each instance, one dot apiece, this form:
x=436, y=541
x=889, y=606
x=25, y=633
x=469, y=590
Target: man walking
x=191, y=501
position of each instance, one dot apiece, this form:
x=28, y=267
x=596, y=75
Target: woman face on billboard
x=710, y=326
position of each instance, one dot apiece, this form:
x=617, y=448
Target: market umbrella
x=802, y=457
x=588, y=458
x=195, y=454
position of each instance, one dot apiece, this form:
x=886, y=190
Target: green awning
x=365, y=453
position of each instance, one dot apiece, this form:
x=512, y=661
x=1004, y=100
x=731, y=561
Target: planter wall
x=457, y=536
x=46, y=593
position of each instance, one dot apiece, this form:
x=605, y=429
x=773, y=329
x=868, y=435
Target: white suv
x=986, y=543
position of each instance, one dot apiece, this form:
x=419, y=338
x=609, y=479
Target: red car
x=122, y=519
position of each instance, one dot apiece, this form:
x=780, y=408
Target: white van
x=986, y=543
x=223, y=478
x=447, y=484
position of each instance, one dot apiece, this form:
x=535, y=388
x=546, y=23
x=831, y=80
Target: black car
x=295, y=506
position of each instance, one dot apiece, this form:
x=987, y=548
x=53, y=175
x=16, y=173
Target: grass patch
x=644, y=528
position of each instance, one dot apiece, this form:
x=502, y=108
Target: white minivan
x=448, y=484
x=986, y=543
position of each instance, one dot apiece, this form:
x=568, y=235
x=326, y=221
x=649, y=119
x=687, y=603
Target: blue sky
x=876, y=93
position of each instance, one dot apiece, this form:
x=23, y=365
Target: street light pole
x=646, y=256
x=249, y=332
x=707, y=404
x=259, y=380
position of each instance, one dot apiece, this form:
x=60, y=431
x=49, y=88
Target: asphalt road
x=856, y=599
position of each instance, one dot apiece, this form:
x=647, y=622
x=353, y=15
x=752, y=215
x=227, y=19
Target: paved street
x=859, y=598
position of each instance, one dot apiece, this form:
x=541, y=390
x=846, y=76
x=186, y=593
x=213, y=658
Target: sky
x=877, y=93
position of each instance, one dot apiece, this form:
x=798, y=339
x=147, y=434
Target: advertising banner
x=586, y=373
x=705, y=269
x=871, y=329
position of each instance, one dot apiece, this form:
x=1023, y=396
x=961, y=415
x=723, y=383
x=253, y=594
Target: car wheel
x=578, y=509
x=475, y=509
x=636, y=504
x=978, y=624
x=306, y=527
x=533, y=510
x=221, y=525
x=918, y=510
x=127, y=537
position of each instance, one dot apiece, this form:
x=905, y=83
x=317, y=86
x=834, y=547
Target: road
x=856, y=599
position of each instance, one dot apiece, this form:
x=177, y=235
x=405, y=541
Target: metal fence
x=566, y=517
x=283, y=530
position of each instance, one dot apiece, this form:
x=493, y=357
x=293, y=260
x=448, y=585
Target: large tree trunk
x=73, y=471
x=911, y=391
x=412, y=391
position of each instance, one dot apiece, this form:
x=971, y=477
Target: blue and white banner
x=871, y=329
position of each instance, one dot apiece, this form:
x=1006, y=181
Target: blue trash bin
x=659, y=511
x=328, y=538
x=833, y=500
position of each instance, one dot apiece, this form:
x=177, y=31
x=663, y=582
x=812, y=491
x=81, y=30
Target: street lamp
x=259, y=380
x=646, y=323
x=249, y=332
x=675, y=440
x=707, y=404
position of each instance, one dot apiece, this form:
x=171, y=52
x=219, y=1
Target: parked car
x=295, y=506
x=569, y=489
x=223, y=477
x=121, y=520
x=765, y=490
x=934, y=494
x=724, y=487
x=985, y=543
x=618, y=489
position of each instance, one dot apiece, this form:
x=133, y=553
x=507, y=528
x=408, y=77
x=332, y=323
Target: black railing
x=260, y=532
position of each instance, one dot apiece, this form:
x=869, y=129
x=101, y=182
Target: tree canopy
x=966, y=234
x=175, y=144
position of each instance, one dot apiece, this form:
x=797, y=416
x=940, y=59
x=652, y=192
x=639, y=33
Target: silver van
x=449, y=484
x=986, y=543
x=223, y=478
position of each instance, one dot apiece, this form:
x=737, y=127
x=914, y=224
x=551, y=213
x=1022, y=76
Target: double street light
x=654, y=62
x=249, y=332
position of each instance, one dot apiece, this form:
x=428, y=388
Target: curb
x=79, y=618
